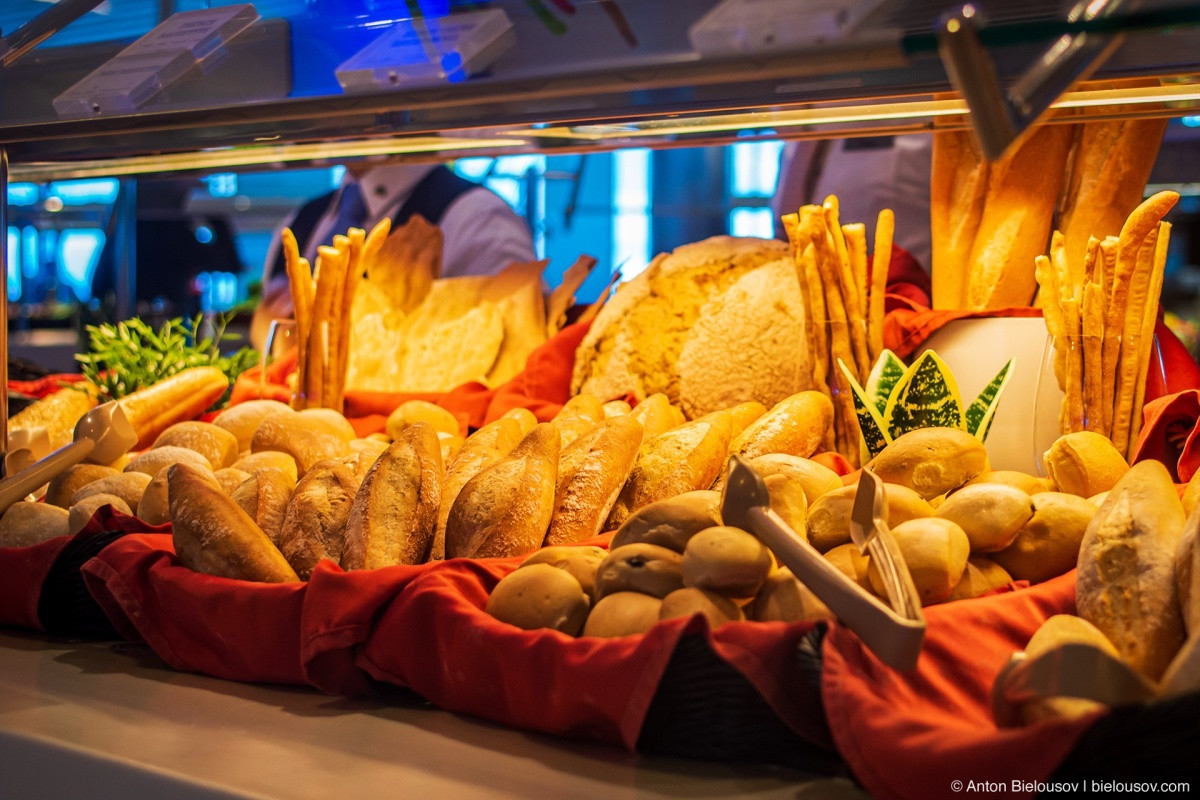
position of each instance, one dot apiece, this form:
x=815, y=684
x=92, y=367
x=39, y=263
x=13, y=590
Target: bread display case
x=470, y=496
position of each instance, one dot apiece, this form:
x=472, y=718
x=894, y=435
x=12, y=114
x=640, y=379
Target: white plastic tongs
x=102, y=435
x=893, y=634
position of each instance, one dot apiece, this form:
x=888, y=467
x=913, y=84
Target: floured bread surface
x=636, y=340
x=747, y=344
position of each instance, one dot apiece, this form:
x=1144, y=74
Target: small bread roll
x=216, y=444
x=1056, y=631
x=303, y=437
x=795, y=425
x=657, y=415
x=331, y=421
x=726, y=560
x=591, y=472
x=788, y=501
x=64, y=485
x=1084, y=463
x=264, y=497
x=935, y=551
x=128, y=486
x=817, y=479
x=616, y=408
x=26, y=523
x=481, y=450
x=214, y=536
x=395, y=510
x=783, y=598
x=981, y=576
x=505, y=509
x=645, y=568
x=229, y=478
x=155, y=507
x=716, y=608
x=852, y=563
x=314, y=523
x=1048, y=544
x=931, y=461
x=670, y=523
x=1125, y=584
x=992, y=514
x=523, y=417
x=410, y=411
x=1027, y=483
x=582, y=561
x=829, y=516
x=267, y=459
x=683, y=459
x=156, y=459
x=83, y=511
x=244, y=418
x=540, y=596
x=622, y=614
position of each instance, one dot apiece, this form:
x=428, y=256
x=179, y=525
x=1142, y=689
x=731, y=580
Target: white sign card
x=129, y=79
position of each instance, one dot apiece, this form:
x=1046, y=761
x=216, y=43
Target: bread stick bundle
x=322, y=298
x=1101, y=314
x=843, y=293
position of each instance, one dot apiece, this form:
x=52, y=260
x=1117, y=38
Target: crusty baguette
x=795, y=425
x=314, y=524
x=184, y=395
x=1015, y=226
x=483, y=448
x=1126, y=580
x=506, y=509
x=264, y=496
x=591, y=472
x=393, y=515
x=213, y=535
x=957, y=189
x=57, y=412
x=683, y=459
x=1109, y=170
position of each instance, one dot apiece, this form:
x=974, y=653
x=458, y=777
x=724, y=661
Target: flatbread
x=454, y=352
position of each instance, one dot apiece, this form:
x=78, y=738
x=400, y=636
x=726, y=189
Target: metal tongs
x=894, y=634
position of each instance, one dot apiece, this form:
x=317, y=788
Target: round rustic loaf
x=637, y=341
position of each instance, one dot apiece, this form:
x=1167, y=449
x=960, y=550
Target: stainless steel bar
x=42, y=27
x=4, y=266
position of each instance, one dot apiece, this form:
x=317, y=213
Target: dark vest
x=430, y=198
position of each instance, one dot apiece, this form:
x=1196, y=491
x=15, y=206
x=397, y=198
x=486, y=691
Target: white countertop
x=101, y=720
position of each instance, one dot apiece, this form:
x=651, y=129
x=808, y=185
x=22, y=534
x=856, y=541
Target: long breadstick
x=791, y=226
x=851, y=296
x=354, y=274
x=1093, y=358
x=1130, y=352
x=1074, y=365
x=1146, y=340
x=1047, y=280
x=1137, y=227
x=881, y=259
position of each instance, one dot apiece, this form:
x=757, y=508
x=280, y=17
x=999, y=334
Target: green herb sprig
x=131, y=355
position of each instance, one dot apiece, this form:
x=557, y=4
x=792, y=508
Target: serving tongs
x=893, y=633
x=102, y=436
x=1070, y=670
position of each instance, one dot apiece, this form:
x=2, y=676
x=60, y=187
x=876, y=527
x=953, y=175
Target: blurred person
x=481, y=233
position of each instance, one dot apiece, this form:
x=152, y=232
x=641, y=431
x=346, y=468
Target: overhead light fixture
x=254, y=155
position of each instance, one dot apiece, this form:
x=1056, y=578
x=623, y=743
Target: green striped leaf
x=886, y=373
x=926, y=397
x=872, y=432
x=983, y=410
